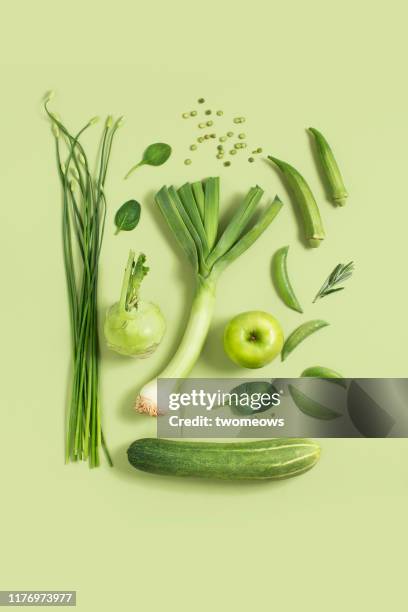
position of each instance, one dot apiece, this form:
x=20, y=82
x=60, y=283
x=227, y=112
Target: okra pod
x=300, y=334
x=313, y=225
x=281, y=278
x=337, y=190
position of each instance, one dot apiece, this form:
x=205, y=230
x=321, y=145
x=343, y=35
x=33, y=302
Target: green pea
x=233, y=152
x=243, y=145
x=237, y=120
x=206, y=136
x=208, y=112
x=201, y=125
x=186, y=115
x=227, y=163
x=300, y=334
x=193, y=114
x=237, y=145
x=251, y=160
x=220, y=155
x=201, y=100
x=229, y=134
x=241, y=136
x=222, y=138
x=200, y=139
x=213, y=135
x=187, y=162
x=220, y=147
x=259, y=150
x=209, y=123
x=193, y=147
x=281, y=279
x=219, y=113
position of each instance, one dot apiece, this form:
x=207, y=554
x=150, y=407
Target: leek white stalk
x=192, y=215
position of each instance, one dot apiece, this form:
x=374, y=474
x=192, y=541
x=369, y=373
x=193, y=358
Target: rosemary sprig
x=340, y=274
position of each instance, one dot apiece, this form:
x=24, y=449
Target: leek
x=192, y=214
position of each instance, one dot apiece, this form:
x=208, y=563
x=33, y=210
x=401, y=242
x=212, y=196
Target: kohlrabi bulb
x=134, y=327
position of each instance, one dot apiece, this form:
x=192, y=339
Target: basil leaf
x=127, y=216
x=156, y=154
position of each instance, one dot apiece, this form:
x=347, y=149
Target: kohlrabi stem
x=190, y=347
x=126, y=279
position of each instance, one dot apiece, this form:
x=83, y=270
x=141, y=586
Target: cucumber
x=274, y=459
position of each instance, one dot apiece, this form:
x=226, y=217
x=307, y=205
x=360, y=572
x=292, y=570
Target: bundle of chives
x=83, y=221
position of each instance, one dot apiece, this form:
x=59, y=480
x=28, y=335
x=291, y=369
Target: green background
x=334, y=538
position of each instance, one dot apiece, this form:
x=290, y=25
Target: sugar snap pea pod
x=311, y=407
x=330, y=168
x=312, y=222
x=322, y=372
x=299, y=334
x=281, y=278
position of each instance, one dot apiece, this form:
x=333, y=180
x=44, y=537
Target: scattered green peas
x=259, y=150
x=201, y=125
x=237, y=145
x=201, y=100
x=193, y=147
x=200, y=139
x=193, y=114
x=229, y=134
x=213, y=135
x=209, y=123
x=220, y=147
x=185, y=115
x=222, y=138
x=239, y=119
x=219, y=113
x=227, y=163
x=241, y=136
x=243, y=145
x=233, y=152
x=220, y=155
x=251, y=160
x=206, y=136
x=187, y=162
x=208, y=112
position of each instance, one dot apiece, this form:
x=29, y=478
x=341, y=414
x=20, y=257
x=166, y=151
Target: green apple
x=253, y=339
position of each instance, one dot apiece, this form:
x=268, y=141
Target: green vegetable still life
x=155, y=155
x=134, y=327
x=127, y=216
